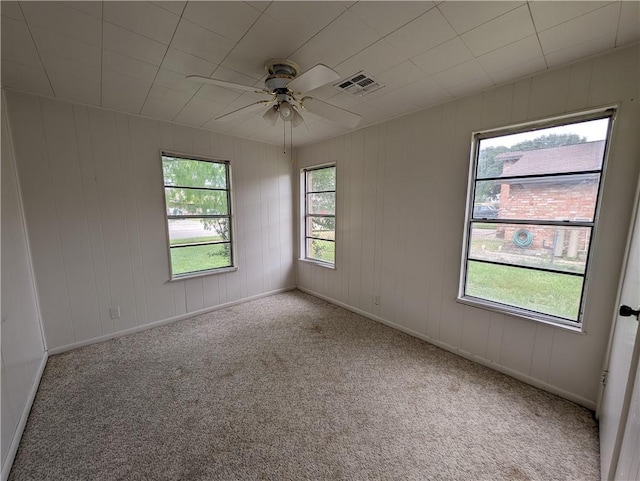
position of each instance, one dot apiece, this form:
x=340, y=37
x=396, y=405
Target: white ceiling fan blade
x=297, y=118
x=247, y=109
x=225, y=84
x=331, y=112
x=313, y=78
x=271, y=115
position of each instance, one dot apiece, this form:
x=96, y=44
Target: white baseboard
x=151, y=325
x=17, y=435
x=589, y=404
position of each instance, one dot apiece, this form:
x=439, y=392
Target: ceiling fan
x=286, y=86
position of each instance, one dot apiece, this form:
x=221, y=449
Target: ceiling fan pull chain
x=291, y=140
x=284, y=138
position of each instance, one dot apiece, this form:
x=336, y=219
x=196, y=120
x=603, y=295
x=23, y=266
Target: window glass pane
x=192, y=231
x=548, y=247
x=566, y=148
x=196, y=202
x=321, y=227
x=321, y=250
x=571, y=197
x=194, y=173
x=321, y=203
x=321, y=179
x=200, y=258
x=546, y=292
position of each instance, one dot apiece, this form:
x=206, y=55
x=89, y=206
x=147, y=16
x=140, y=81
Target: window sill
x=521, y=313
x=222, y=270
x=318, y=263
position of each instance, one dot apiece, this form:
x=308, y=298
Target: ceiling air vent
x=359, y=84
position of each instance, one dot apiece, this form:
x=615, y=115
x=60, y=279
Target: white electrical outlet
x=114, y=312
x=376, y=300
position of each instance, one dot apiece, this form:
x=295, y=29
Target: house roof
x=568, y=158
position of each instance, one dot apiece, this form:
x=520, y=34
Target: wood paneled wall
x=23, y=351
x=92, y=189
x=401, y=204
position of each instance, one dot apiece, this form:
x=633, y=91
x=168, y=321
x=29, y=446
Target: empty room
x=318, y=240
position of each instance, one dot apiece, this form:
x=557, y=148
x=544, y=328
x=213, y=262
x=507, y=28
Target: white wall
x=401, y=205
x=23, y=352
x=91, y=182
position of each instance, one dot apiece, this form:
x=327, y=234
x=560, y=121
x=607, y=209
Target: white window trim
x=302, y=218
x=579, y=326
x=232, y=228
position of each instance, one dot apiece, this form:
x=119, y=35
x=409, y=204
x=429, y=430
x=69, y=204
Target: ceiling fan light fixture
x=286, y=112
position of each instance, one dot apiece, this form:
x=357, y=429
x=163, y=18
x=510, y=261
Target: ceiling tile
x=531, y=66
x=377, y=58
x=391, y=105
x=17, y=45
x=121, y=92
x=11, y=9
x=48, y=41
x=399, y=76
x=425, y=32
x=629, y=25
x=499, y=32
x=64, y=20
x=218, y=94
x=201, y=42
x=163, y=103
x=306, y=18
x=247, y=61
x=423, y=93
x=471, y=86
x=25, y=77
x=272, y=39
x=386, y=16
x=90, y=8
x=549, y=14
x=464, y=16
x=173, y=7
x=513, y=54
x=443, y=56
x=198, y=111
x=229, y=19
x=132, y=44
x=186, y=64
x=595, y=24
x=115, y=62
x=574, y=52
x=73, y=81
x=260, y=5
x=343, y=38
x=144, y=18
x=176, y=81
x=463, y=73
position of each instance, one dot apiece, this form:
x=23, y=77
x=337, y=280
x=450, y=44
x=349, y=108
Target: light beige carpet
x=290, y=387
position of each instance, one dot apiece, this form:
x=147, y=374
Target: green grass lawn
x=199, y=258
x=546, y=292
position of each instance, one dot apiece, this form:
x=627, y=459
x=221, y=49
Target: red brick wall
x=547, y=201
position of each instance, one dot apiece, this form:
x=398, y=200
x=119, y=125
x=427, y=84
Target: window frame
x=230, y=216
x=304, y=215
x=609, y=112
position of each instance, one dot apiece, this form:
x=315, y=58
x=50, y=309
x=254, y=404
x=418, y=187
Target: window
x=532, y=210
x=198, y=211
x=319, y=186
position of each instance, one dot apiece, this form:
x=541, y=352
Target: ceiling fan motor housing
x=281, y=72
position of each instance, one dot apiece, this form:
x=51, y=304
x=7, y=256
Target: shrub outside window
x=319, y=186
x=198, y=212
x=532, y=210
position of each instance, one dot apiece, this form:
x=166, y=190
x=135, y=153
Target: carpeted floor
x=290, y=387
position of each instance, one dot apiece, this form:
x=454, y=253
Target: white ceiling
x=133, y=56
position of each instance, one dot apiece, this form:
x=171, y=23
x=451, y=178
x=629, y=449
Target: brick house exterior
x=566, y=197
